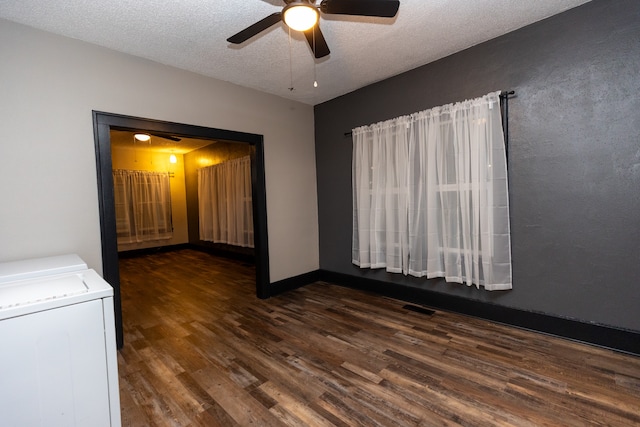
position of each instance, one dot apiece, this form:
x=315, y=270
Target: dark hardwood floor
x=202, y=350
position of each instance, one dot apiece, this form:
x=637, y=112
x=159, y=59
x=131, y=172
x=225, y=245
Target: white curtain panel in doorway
x=225, y=203
x=430, y=195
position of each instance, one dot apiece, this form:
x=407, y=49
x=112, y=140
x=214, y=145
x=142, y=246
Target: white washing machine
x=58, y=361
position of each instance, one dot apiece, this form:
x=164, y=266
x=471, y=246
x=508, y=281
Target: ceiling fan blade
x=256, y=28
x=169, y=137
x=317, y=42
x=382, y=8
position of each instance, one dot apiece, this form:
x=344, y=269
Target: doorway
x=103, y=123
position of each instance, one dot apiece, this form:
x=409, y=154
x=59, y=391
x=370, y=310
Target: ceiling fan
x=146, y=136
x=307, y=10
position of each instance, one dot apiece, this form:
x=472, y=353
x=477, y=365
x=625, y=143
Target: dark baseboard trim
x=292, y=283
x=622, y=340
x=248, y=258
x=149, y=251
x=221, y=252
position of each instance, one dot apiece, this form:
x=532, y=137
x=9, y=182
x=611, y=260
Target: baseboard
x=154, y=250
x=292, y=283
x=622, y=340
x=222, y=252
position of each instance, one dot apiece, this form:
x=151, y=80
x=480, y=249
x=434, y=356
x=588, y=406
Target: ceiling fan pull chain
x=315, y=79
x=291, y=88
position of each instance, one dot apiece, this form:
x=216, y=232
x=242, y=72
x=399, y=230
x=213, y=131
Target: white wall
x=49, y=86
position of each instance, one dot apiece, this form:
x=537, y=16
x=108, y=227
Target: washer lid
x=24, y=293
x=37, y=267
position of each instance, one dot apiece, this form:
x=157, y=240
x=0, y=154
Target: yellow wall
x=125, y=158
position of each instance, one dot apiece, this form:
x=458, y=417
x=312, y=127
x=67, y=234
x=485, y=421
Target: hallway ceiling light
x=142, y=137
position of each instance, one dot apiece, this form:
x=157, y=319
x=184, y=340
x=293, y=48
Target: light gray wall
x=48, y=190
x=574, y=159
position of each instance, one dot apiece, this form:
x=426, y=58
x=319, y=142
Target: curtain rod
x=504, y=100
x=505, y=94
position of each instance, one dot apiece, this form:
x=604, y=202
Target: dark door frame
x=102, y=125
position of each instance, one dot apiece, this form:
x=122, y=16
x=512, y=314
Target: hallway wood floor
x=202, y=350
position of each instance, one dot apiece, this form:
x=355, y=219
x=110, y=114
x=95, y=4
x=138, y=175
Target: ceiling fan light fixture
x=300, y=15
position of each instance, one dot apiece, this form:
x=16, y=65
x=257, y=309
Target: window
x=143, y=206
x=430, y=195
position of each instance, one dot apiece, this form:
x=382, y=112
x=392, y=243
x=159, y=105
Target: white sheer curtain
x=143, y=206
x=430, y=195
x=225, y=204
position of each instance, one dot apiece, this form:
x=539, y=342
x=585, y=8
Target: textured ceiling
x=191, y=34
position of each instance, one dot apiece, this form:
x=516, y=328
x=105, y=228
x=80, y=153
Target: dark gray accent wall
x=574, y=160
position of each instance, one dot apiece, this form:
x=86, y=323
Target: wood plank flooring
x=202, y=350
